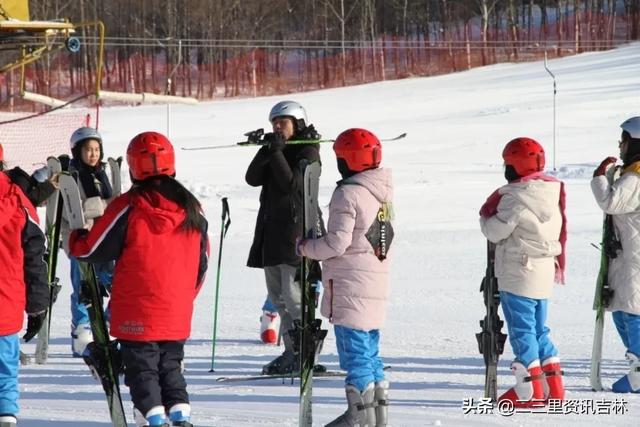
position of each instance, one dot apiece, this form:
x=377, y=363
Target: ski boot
x=8, y=421
x=382, y=402
x=552, y=386
x=269, y=326
x=528, y=391
x=180, y=415
x=80, y=336
x=360, y=408
x=154, y=417
x=630, y=383
x=284, y=364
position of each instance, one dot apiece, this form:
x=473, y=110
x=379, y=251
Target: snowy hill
x=450, y=162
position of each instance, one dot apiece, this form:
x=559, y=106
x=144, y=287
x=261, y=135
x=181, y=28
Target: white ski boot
x=81, y=336
x=8, y=421
x=360, y=411
x=382, y=402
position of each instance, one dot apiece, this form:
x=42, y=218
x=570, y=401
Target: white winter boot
x=269, y=326
x=360, y=411
x=382, y=402
x=81, y=336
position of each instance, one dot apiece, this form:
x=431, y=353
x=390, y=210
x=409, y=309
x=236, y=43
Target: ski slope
x=449, y=163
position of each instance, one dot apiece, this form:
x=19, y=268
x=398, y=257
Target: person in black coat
x=276, y=167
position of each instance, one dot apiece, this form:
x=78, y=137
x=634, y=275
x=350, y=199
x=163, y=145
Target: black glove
x=34, y=324
x=275, y=141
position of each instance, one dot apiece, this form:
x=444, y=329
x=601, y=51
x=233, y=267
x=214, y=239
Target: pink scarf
x=490, y=208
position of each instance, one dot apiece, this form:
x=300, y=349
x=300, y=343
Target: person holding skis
x=275, y=168
x=354, y=254
x=23, y=286
x=95, y=181
x=526, y=220
x=617, y=194
x=157, y=235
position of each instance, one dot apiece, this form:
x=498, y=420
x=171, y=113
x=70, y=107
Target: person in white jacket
x=618, y=195
x=526, y=221
x=355, y=272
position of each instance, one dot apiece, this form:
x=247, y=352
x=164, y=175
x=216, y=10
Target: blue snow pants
x=528, y=334
x=358, y=352
x=628, y=326
x=104, y=274
x=9, y=362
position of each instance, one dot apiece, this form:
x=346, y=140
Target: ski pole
x=226, y=221
x=554, y=109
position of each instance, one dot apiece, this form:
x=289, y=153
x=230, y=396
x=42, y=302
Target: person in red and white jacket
x=23, y=285
x=157, y=235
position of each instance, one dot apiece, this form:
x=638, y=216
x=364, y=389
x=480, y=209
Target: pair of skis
x=608, y=250
x=53, y=220
x=491, y=339
x=255, y=138
x=103, y=355
x=604, y=293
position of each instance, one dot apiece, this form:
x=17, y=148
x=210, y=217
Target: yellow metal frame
x=51, y=31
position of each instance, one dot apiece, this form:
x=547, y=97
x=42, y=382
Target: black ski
x=52, y=230
x=102, y=354
x=294, y=375
x=279, y=376
x=491, y=339
x=307, y=335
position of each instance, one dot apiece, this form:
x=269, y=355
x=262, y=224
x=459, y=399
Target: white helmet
x=632, y=126
x=84, y=133
x=289, y=109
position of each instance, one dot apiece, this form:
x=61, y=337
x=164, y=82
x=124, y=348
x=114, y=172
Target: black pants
x=152, y=371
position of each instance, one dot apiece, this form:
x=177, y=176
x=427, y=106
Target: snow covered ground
x=457, y=126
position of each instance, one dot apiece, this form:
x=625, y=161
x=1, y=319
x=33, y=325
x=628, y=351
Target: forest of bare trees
x=226, y=48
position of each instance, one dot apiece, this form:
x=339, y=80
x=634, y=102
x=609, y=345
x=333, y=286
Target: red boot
x=528, y=390
x=553, y=387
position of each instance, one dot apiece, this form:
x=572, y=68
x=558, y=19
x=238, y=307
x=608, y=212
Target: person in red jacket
x=157, y=235
x=23, y=286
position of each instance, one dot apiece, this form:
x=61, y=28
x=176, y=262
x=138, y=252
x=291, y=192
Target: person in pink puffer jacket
x=355, y=272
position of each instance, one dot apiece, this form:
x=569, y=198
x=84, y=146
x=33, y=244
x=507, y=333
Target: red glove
x=490, y=207
x=602, y=169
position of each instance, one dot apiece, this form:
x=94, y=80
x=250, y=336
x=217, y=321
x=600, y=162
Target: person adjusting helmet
x=522, y=156
x=357, y=150
x=157, y=220
x=150, y=154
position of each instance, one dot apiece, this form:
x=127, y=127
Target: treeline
x=222, y=48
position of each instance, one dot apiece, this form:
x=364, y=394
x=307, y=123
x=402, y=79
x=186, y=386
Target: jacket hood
x=540, y=197
x=378, y=181
x=162, y=215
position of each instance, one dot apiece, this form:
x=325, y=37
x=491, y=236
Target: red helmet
x=359, y=148
x=150, y=154
x=526, y=155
